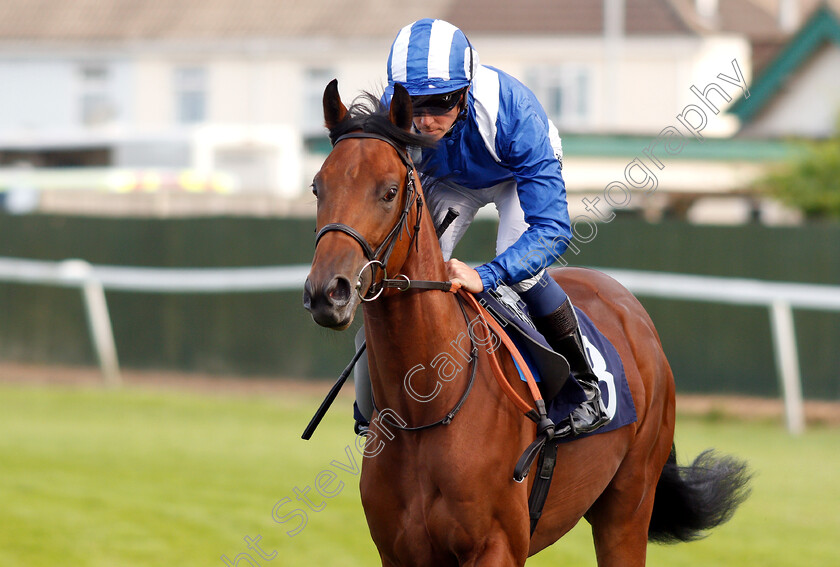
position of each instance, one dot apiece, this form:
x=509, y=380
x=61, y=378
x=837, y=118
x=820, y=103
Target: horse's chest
x=422, y=516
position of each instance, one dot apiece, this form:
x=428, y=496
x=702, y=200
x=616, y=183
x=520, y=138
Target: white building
x=225, y=94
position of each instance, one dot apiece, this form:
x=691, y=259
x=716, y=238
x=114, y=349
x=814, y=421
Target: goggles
x=436, y=104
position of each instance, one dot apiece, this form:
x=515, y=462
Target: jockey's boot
x=561, y=330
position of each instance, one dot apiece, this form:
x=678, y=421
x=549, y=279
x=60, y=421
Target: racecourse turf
x=141, y=477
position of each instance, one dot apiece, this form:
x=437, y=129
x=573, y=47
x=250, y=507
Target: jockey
x=495, y=145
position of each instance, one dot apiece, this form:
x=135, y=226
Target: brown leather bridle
x=379, y=257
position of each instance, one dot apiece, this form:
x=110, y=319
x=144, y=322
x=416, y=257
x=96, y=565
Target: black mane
x=368, y=114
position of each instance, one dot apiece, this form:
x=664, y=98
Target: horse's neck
x=409, y=339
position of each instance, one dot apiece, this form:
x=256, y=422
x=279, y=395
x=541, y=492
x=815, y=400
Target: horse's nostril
x=307, y=295
x=339, y=290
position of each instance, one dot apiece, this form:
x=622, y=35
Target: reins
x=447, y=419
x=403, y=283
x=491, y=324
x=537, y=413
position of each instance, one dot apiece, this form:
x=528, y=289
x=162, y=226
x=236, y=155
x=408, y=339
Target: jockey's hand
x=458, y=272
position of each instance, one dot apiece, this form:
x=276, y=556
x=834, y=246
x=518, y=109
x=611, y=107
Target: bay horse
x=440, y=492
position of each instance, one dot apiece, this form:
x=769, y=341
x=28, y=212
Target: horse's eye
x=314, y=190
x=391, y=194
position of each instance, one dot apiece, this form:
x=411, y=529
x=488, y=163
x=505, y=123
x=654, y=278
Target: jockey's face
x=436, y=126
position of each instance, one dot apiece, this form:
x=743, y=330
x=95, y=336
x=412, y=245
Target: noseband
x=380, y=256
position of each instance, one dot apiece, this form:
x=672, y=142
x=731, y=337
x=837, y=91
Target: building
x=219, y=96
x=798, y=92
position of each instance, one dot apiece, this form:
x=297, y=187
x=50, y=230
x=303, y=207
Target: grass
x=91, y=477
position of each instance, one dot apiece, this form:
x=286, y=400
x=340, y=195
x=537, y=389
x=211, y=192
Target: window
x=96, y=104
x=314, y=82
x=564, y=92
x=191, y=94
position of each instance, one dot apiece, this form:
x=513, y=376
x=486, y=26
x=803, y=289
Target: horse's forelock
x=368, y=114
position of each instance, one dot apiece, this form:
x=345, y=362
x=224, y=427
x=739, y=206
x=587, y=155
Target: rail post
x=81, y=274
x=787, y=364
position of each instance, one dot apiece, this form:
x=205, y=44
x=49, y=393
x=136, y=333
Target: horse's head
x=366, y=193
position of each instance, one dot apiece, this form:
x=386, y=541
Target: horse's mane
x=368, y=114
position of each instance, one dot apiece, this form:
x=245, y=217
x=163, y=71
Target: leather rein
x=542, y=446
x=379, y=258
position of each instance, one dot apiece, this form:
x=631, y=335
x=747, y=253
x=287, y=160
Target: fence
x=779, y=298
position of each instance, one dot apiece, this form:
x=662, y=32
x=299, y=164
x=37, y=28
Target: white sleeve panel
x=554, y=138
x=486, y=95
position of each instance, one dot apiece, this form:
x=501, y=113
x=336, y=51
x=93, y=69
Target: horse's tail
x=690, y=500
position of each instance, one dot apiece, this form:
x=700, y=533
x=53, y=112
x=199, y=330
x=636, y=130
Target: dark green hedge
x=712, y=348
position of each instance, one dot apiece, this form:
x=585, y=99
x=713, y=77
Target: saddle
x=550, y=368
x=560, y=390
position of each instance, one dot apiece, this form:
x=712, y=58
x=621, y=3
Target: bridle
x=380, y=256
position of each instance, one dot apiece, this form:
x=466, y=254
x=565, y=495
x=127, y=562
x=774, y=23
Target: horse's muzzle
x=332, y=305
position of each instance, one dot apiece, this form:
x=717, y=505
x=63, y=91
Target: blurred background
x=184, y=134
x=156, y=226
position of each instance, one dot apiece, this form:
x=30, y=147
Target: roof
x=125, y=20
x=115, y=20
x=565, y=16
x=80, y=20
x=748, y=18
x=821, y=28
x=86, y=20
x=752, y=18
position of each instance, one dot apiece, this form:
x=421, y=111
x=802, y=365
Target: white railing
x=780, y=299
x=94, y=280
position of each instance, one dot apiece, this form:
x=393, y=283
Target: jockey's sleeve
x=524, y=147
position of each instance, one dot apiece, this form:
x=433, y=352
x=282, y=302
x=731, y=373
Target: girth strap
x=542, y=482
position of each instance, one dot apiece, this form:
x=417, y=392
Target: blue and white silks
x=505, y=135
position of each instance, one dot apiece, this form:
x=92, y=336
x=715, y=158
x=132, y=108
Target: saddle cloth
x=512, y=314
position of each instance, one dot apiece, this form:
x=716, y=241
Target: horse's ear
x=400, y=111
x=334, y=109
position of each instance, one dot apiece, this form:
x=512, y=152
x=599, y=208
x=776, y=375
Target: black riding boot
x=560, y=329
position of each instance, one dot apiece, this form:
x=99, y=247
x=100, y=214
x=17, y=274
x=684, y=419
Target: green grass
x=91, y=477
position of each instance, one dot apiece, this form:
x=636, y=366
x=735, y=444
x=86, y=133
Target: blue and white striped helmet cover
x=430, y=57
